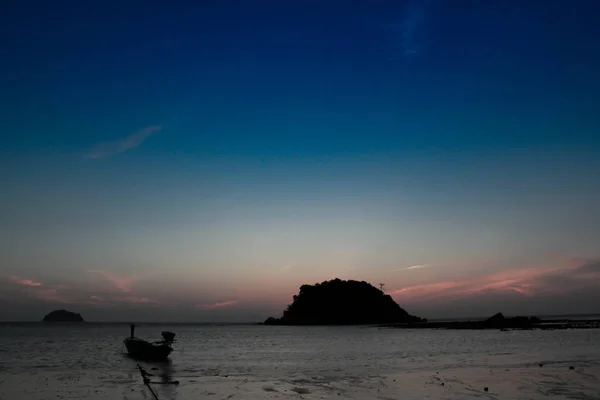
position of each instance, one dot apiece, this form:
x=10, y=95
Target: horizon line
x=595, y=314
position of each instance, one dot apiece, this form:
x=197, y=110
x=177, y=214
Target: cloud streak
x=119, y=294
x=414, y=14
x=123, y=284
x=139, y=300
x=528, y=282
x=24, y=282
x=108, y=149
x=37, y=290
x=420, y=266
x=407, y=29
x=217, y=305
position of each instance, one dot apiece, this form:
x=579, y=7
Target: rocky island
x=339, y=302
x=63, y=316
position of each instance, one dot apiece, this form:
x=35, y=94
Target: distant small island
x=339, y=302
x=63, y=316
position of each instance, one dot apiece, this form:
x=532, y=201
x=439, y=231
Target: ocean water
x=40, y=361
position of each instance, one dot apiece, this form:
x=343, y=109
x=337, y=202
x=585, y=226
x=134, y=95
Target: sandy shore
x=556, y=381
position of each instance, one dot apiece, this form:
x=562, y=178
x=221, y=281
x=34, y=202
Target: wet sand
x=555, y=381
x=255, y=362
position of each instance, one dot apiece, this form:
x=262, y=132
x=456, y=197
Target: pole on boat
x=132, y=329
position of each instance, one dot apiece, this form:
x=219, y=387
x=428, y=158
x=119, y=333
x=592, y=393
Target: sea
x=88, y=361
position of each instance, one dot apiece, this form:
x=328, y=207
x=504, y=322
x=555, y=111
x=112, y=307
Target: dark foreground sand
x=556, y=381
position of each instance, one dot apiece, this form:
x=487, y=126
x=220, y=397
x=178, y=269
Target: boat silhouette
x=145, y=350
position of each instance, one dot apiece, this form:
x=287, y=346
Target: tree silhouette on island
x=63, y=316
x=339, y=302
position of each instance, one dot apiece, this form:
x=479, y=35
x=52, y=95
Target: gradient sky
x=199, y=161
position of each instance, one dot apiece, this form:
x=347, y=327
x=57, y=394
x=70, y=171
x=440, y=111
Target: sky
x=199, y=161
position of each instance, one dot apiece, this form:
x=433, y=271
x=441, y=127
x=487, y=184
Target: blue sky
x=224, y=153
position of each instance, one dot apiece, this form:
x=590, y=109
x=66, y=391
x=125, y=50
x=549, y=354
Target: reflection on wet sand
x=163, y=370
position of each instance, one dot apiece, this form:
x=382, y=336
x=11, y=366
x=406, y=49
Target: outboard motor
x=169, y=337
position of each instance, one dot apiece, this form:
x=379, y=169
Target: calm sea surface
x=40, y=361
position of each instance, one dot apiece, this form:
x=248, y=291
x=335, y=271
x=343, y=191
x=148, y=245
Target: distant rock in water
x=63, y=316
x=497, y=321
x=338, y=302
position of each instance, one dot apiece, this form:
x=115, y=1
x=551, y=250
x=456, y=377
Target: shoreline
x=561, y=378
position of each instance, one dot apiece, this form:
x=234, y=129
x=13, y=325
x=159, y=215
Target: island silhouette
x=63, y=316
x=341, y=302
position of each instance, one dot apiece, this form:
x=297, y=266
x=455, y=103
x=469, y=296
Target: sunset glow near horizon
x=199, y=162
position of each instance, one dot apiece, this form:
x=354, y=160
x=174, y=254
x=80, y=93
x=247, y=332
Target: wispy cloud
x=287, y=267
x=24, y=282
x=409, y=25
x=121, y=145
x=419, y=266
x=414, y=13
x=111, y=300
x=217, y=305
x=120, y=292
x=526, y=281
x=121, y=283
x=139, y=300
x=52, y=295
x=38, y=290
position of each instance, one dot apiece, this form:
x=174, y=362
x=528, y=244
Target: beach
x=257, y=362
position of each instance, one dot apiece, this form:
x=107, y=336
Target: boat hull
x=142, y=349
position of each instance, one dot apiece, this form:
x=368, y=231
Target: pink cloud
x=121, y=145
x=527, y=281
x=139, y=300
x=111, y=301
x=25, y=282
x=217, y=305
x=38, y=290
x=52, y=295
x=123, y=284
x=61, y=293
